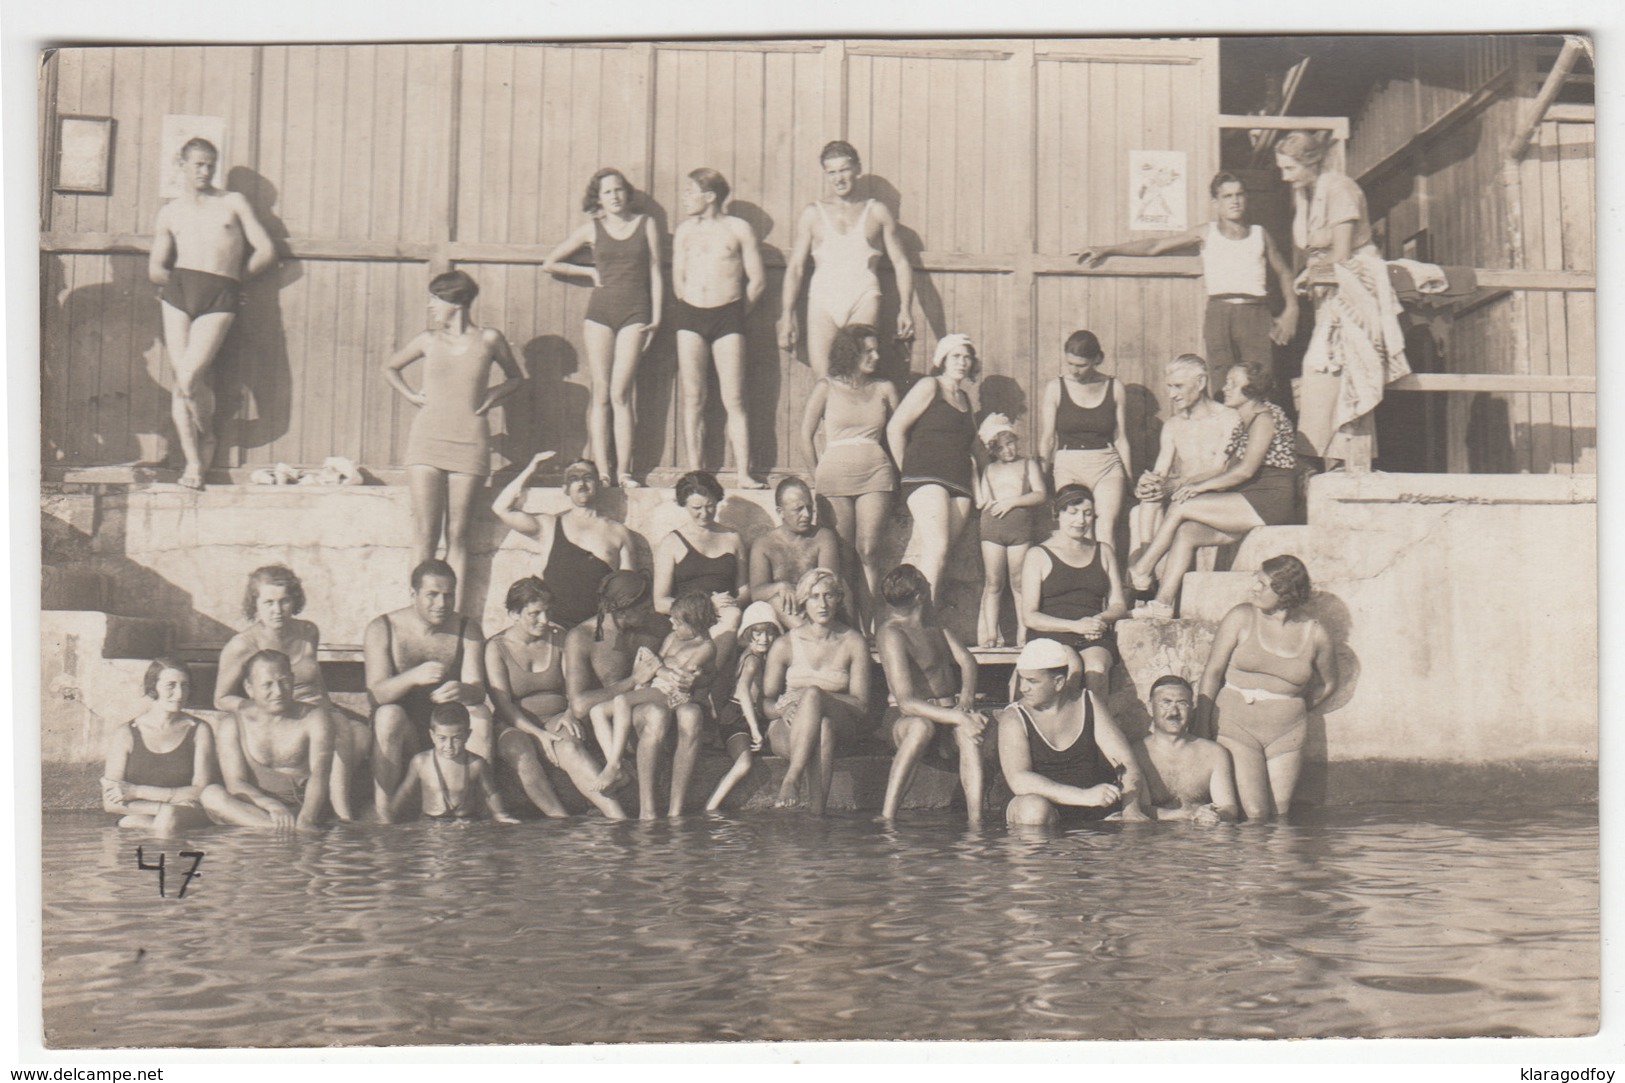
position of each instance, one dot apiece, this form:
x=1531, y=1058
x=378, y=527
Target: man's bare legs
x=1208, y=519
x=729, y=353
x=651, y=721
x=391, y=728
x=352, y=743
x=913, y=737
x=690, y=724
x=821, y=331
x=192, y=346
x=693, y=389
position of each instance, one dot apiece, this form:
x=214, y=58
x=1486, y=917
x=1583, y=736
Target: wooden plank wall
x=1452, y=186
x=377, y=166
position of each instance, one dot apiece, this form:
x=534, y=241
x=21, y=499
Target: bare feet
x=745, y=481
x=630, y=482
x=191, y=480
x=607, y=778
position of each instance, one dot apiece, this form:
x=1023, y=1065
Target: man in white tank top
x=1237, y=329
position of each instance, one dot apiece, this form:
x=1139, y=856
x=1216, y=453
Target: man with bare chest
x=275, y=753
x=1187, y=777
x=614, y=653
x=417, y=658
x=1191, y=447
x=779, y=558
x=931, y=708
x=717, y=275
x=199, y=242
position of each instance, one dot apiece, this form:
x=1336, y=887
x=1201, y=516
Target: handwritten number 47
x=195, y=855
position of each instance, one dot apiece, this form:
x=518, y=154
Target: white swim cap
x=1041, y=654
x=759, y=613
x=992, y=426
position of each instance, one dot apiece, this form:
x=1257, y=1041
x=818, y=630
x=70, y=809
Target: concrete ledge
x=860, y=783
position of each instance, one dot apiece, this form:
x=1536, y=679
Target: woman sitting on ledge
x=1071, y=590
x=1258, y=488
x=272, y=601
x=158, y=765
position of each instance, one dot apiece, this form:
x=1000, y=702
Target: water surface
x=1402, y=921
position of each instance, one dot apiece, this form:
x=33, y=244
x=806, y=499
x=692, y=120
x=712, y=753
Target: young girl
x=449, y=778
x=742, y=720
x=158, y=765
x=448, y=451
x=687, y=661
x=1007, y=493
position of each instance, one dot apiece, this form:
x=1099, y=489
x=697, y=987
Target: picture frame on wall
x=84, y=155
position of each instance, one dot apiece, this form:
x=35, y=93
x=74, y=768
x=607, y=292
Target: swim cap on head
x=946, y=345
x=622, y=590
x=992, y=426
x=759, y=613
x=1041, y=654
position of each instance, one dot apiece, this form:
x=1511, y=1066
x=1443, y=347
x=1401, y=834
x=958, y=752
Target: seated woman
x=524, y=669
x=274, y=598
x=1071, y=590
x=817, y=686
x=158, y=765
x=1258, y=488
x=1265, y=654
x=703, y=555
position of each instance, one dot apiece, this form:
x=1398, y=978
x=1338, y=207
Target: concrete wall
x=1464, y=609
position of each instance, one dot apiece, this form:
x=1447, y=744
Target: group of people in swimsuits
x=771, y=642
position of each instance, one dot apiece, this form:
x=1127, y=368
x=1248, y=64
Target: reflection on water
x=779, y=926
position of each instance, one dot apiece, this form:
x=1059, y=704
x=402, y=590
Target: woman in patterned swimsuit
x=1258, y=488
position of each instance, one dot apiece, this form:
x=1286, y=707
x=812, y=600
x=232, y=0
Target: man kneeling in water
x=1187, y=777
x=276, y=753
x=1058, y=746
x=448, y=777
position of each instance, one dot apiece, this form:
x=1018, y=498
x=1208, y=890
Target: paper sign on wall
x=1156, y=190
x=173, y=135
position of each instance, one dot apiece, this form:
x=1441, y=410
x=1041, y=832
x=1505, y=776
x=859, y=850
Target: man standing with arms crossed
x=1237, y=329
x=716, y=272
x=199, y=241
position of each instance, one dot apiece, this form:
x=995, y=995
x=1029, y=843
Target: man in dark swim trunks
x=276, y=753
x=716, y=272
x=1060, y=749
x=204, y=233
x=417, y=658
x=779, y=558
x=579, y=546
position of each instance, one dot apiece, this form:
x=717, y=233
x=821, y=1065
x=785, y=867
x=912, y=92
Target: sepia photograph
x=817, y=538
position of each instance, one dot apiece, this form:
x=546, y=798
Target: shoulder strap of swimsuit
x=822, y=213
x=686, y=543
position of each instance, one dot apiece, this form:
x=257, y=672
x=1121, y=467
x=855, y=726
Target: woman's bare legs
x=1226, y=515
x=428, y=488
x=622, y=385
x=461, y=489
x=939, y=518
x=517, y=749
x=1110, y=492
x=600, y=343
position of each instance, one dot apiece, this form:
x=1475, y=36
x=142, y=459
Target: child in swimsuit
x=688, y=661
x=743, y=718
x=1008, y=494
x=449, y=778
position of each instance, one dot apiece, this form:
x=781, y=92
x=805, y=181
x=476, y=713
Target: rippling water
x=772, y=926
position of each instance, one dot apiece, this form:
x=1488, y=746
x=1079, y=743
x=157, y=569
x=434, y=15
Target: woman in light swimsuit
x=855, y=473
x=158, y=766
x=817, y=688
x=1258, y=488
x=1083, y=434
x=1264, y=656
x=624, y=312
x=524, y=667
x=448, y=451
x=844, y=290
x=933, y=438
x=273, y=599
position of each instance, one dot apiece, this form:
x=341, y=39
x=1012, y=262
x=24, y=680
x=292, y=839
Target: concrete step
x=1270, y=541
x=1207, y=596
x=71, y=587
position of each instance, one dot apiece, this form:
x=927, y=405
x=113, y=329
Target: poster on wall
x=1156, y=189
x=176, y=130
